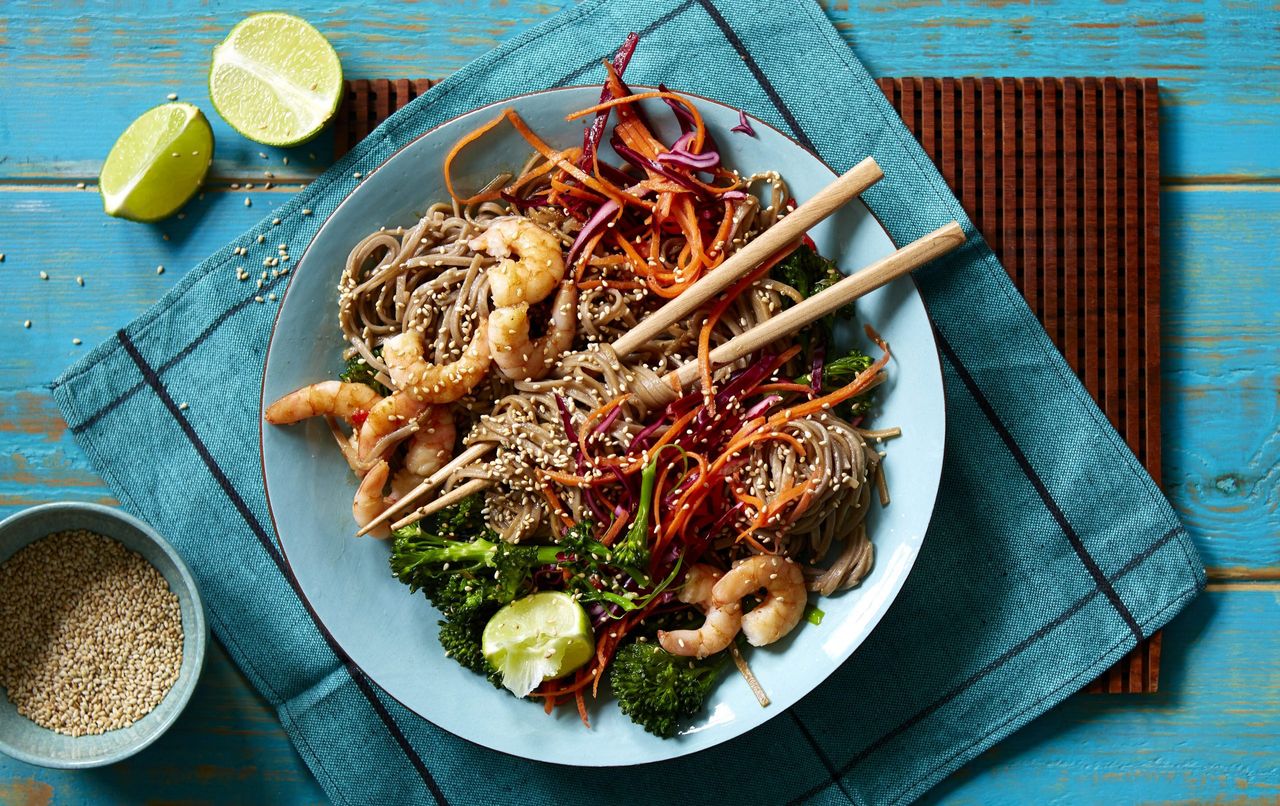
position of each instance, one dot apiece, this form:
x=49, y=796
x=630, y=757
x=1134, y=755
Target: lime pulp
x=157, y=164
x=275, y=79
x=540, y=637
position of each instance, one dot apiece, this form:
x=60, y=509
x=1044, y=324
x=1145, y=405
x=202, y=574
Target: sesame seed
x=76, y=342
x=27, y=324
x=284, y=160
x=80, y=281
x=306, y=211
x=271, y=297
x=80, y=185
x=183, y=405
x=262, y=154
x=258, y=299
x=275, y=221
x=248, y=202
x=173, y=96
x=235, y=185
x=356, y=175
x=96, y=661
x=44, y=275
x=261, y=238
x=159, y=269
x=248, y=186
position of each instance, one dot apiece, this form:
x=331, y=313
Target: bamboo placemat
x=1062, y=177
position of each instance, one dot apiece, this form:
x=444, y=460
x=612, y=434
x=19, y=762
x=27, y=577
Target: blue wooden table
x=72, y=76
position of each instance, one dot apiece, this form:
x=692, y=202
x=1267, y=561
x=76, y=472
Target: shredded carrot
x=717, y=310
x=615, y=529
x=595, y=183
x=699, y=128
x=853, y=388
x=784, y=386
x=557, y=506
x=453, y=152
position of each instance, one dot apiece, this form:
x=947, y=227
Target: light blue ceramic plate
x=25, y=740
x=392, y=634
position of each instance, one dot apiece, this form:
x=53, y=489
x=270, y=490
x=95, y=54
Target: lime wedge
x=157, y=164
x=540, y=637
x=275, y=79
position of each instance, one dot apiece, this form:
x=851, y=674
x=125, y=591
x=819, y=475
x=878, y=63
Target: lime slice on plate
x=275, y=79
x=540, y=637
x=157, y=164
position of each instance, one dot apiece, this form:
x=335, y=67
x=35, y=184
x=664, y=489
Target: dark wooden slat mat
x=1061, y=175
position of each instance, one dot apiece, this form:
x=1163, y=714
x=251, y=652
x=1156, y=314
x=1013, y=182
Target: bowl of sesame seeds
x=102, y=635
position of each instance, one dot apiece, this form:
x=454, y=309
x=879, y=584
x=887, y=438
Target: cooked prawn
x=520, y=358
x=435, y=383
x=369, y=502
x=784, y=596
x=536, y=271
x=722, y=623
x=327, y=397
x=395, y=413
x=432, y=446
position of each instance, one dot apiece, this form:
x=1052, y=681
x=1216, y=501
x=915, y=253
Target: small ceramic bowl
x=25, y=740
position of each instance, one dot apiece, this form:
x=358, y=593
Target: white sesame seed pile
x=90, y=634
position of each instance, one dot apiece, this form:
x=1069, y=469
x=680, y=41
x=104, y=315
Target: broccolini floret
x=359, y=371
x=633, y=551
x=658, y=690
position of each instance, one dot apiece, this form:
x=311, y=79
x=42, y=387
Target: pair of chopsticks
x=783, y=235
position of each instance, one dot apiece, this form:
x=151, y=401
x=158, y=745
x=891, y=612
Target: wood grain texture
x=115, y=59
x=1025, y=121
x=1208, y=735
x=1026, y=126
x=1221, y=350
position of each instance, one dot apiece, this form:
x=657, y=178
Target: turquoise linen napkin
x=1051, y=551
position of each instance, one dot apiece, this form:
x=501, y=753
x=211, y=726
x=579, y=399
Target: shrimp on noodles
x=327, y=397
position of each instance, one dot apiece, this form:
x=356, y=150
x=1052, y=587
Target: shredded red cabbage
x=598, y=220
x=762, y=406
x=641, y=161
x=733, y=195
x=818, y=364
x=685, y=159
x=591, y=137
x=648, y=431
x=566, y=420
x=744, y=125
x=606, y=421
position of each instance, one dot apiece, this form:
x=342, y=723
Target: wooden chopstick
x=427, y=485
x=889, y=268
x=788, y=229
x=448, y=499
x=782, y=234
x=935, y=244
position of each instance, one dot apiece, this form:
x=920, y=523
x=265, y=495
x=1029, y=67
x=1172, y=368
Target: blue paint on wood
x=72, y=76
x=98, y=67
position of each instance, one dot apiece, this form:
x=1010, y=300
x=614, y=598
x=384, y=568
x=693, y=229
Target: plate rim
x=678, y=751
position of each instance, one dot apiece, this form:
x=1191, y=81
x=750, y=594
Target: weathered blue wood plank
x=1221, y=372
x=1211, y=734
x=227, y=747
x=93, y=68
x=1222, y=342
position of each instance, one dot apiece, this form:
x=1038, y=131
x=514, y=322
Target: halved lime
x=540, y=637
x=157, y=164
x=275, y=79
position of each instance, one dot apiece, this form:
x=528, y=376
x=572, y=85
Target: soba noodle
x=428, y=279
